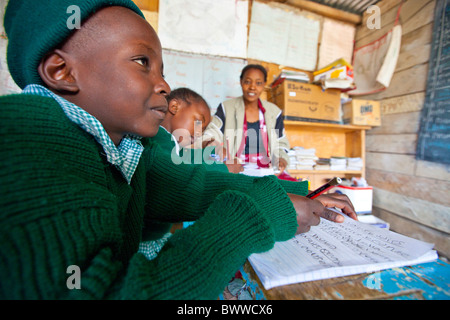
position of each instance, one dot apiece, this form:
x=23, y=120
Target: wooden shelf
x=329, y=140
x=325, y=126
x=328, y=172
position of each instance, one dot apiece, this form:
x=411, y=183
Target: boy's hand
x=309, y=211
x=340, y=201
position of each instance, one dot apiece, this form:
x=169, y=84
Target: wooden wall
x=411, y=195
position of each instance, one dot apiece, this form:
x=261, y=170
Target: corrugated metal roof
x=353, y=6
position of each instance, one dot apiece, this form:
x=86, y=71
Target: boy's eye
x=142, y=61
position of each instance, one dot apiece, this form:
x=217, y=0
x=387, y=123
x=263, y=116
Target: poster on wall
x=215, y=78
x=286, y=37
x=216, y=27
x=336, y=42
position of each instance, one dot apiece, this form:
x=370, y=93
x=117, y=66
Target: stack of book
x=305, y=158
x=338, y=74
x=322, y=164
x=354, y=164
x=292, y=160
x=290, y=75
x=338, y=163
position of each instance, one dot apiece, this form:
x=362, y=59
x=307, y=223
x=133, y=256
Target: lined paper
x=338, y=249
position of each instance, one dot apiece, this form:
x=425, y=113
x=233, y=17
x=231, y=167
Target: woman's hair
x=187, y=95
x=254, y=66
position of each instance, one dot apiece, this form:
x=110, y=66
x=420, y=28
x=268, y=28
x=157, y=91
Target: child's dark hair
x=254, y=66
x=187, y=95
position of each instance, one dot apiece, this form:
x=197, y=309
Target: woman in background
x=252, y=130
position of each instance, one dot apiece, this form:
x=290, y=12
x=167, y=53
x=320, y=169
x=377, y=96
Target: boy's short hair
x=187, y=95
x=34, y=28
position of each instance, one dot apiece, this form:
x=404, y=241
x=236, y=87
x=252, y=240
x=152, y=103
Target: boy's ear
x=56, y=72
x=173, y=106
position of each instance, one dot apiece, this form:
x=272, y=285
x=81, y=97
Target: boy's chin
x=150, y=133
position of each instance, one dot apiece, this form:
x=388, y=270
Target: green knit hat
x=35, y=27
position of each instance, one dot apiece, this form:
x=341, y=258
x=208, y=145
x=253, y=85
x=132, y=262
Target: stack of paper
x=292, y=160
x=338, y=163
x=290, y=75
x=354, y=164
x=338, y=74
x=322, y=164
x=306, y=158
x=338, y=249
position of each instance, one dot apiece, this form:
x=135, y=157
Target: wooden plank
x=414, y=230
x=408, y=103
x=425, y=212
x=404, y=82
x=398, y=123
x=421, y=17
x=326, y=11
x=408, y=59
x=392, y=143
x=418, y=38
x=427, y=189
x=432, y=170
x=399, y=163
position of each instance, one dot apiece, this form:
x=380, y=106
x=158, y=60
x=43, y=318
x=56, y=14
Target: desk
x=420, y=282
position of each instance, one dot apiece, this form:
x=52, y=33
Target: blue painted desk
x=429, y=281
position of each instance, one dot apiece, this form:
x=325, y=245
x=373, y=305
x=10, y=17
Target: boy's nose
x=163, y=88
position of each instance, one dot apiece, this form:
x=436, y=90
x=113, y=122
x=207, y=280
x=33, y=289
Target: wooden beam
x=415, y=230
x=149, y=5
x=326, y=11
x=423, y=212
x=413, y=186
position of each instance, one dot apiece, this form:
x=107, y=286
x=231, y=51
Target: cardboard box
x=362, y=112
x=361, y=197
x=307, y=102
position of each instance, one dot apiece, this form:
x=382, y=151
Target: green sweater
x=63, y=204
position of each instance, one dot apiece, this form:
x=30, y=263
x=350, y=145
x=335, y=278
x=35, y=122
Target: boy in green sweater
x=81, y=180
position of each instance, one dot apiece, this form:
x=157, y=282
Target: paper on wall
x=336, y=42
x=283, y=37
x=208, y=27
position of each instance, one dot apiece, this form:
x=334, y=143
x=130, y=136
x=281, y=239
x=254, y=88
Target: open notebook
x=338, y=249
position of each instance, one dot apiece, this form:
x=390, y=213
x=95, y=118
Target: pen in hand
x=333, y=182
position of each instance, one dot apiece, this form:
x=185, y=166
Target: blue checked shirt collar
x=125, y=157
